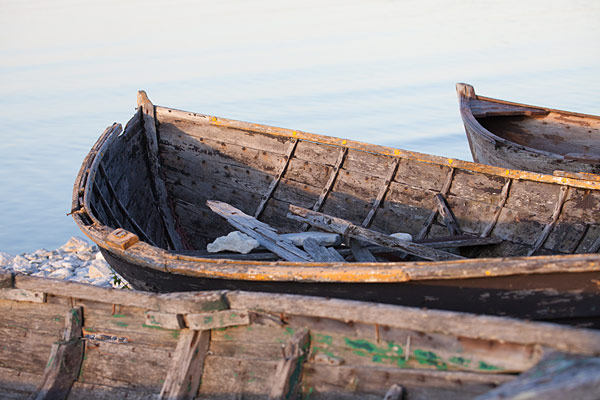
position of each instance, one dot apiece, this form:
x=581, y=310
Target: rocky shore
x=76, y=261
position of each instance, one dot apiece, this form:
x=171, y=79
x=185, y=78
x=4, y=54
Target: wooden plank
x=330, y=182
x=446, y=322
x=263, y=233
x=444, y=191
x=360, y=253
x=122, y=208
x=447, y=215
x=217, y=319
x=164, y=320
x=187, y=367
x=65, y=360
x=367, y=383
x=380, y=196
x=275, y=182
x=32, y=296
x=564, y=190
x=148, y=113
x=556, y=377
x=504, y=195
x=577, y=175
x=343, y=227
x=289, y=370
x=321, y=253
x=168, y=302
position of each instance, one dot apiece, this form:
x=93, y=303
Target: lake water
x=376, y=71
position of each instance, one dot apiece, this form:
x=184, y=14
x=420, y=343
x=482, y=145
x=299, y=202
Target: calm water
x=375, y=71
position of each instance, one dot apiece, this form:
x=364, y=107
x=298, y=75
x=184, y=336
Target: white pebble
x=62, y=273
x=99, y=269
x=5, y=259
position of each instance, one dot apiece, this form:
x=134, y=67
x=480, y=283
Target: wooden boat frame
x=70, y=339
x=490, y=148
x=150, y=267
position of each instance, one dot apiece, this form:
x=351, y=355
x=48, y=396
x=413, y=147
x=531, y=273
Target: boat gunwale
x=455, y=323
x=146, y=255
x=469, y=118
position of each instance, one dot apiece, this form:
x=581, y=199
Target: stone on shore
x=76, y=261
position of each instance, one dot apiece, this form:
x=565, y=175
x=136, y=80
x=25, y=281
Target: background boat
x=84, y=342
x=142, y=194
x=531, y=138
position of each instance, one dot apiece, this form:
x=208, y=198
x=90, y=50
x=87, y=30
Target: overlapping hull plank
x=546, y=228
x=223, y=345
x=530, y=138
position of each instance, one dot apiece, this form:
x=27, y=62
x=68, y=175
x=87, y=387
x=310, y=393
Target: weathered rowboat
x=64, y=339
x=141, y=195
x=531, y=138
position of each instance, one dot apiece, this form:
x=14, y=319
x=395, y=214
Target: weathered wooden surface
x=185, y=373
x=155, y=167
x=395, y=392
x=338, y=225
x=321, y=253
x=460, y=324
x=557, y=377
x=289, y=370
x=447, y=215
x=505, y=134
x=65, y=360
x=263, y=233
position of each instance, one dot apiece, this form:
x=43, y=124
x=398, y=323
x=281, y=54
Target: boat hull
x=561, y=298
x=524, y=137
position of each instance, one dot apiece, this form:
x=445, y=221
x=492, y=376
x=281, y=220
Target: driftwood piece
x=65, y=360
x=183, y=378
x=447, y=215
x=360, y=253
x=289, y=370
x=158, y=182
x=346, y=228
x=458, y=241
x=22, y=295
x=394, y=393
x=263, y=233
x=321, y=253
x=557, y=376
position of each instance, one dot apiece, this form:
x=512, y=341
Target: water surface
x=376, y=71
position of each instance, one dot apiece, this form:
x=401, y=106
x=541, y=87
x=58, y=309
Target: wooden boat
x=71, y=340
x=531, y=138
x=142, y=194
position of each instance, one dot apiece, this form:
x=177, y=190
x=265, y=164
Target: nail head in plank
x=185, y=373
x=65, y=360
x=289, y=369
